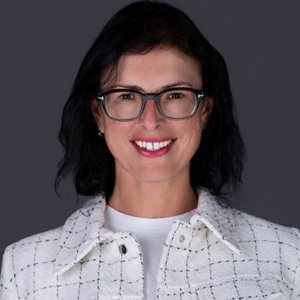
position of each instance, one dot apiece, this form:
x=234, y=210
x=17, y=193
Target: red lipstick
x=153, y=147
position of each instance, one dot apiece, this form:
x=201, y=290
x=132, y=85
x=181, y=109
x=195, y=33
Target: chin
x=152, y=176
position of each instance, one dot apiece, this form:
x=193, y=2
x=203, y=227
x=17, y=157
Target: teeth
x=149, y=146
x=153, y=146
x=140, y=144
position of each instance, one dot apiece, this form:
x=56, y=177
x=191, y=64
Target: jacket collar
x=217, y=218
x=84, y=229
x=80, y=234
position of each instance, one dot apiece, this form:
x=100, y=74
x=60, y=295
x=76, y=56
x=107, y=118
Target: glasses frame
x=101, y=97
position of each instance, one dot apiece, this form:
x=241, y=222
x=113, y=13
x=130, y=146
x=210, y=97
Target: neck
x=154, y=199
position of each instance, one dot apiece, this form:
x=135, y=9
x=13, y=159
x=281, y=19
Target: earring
x=100, y=134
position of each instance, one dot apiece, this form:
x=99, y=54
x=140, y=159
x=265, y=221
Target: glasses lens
x=123, y=105
x=178, y=103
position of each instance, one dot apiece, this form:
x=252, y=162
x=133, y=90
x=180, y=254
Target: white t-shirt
x=151, y=234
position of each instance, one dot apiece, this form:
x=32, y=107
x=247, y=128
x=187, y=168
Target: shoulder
x=275, y=248
x=23, y=259
x=45, y=246
x=23, y=255
x=36, y=256
x=258, y=229
x=46, y=241
x=270, y=248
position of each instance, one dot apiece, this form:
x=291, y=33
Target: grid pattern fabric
x=221, y=254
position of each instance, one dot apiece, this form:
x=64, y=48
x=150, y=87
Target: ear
x=98, y=113
x=206, y=110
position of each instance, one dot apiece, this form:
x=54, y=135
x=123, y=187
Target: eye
x=174, y=95
x=126, y=96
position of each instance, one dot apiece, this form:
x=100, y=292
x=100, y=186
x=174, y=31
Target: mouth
x=153, y=146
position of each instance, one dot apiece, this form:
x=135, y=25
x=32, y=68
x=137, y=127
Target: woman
x=149, y=131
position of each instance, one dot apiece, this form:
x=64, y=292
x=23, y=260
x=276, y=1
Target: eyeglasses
x=128, y=105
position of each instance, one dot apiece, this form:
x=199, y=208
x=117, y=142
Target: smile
x=152, y=146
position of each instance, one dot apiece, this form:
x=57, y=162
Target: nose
x=151, y=117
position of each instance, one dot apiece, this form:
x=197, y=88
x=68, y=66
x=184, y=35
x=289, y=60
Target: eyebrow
x=140, y=89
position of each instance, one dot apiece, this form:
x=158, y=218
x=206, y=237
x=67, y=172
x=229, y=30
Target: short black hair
x=138, y=28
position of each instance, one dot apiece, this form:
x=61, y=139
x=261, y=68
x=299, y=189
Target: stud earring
x=100, y=134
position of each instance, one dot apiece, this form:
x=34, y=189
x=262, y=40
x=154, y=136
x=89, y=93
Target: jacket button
x=181, y=238
x=122, y=249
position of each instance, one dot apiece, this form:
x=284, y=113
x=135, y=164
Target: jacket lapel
x=217, y=218
x=80, y=234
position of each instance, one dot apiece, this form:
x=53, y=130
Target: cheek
x=116, y=136
x=195, y=142
x=192, y=126
x=113, y=145
x=196, y=132
x=191, y=130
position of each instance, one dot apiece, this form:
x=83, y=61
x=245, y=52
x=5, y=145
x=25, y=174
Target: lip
x=153, y=153
x=152, y=140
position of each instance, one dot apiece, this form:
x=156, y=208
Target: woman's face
x=177, y=140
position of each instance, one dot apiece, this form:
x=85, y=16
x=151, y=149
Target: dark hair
x=138, y=28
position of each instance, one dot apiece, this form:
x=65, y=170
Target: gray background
x=42, y=45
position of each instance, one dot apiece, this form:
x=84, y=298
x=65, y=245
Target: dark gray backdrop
x=41, y=47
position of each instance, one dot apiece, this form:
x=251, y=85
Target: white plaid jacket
x=222, y=254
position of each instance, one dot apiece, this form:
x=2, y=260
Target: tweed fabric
x=221, y=254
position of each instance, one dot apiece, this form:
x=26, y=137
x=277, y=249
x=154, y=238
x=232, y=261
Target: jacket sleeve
x=296, y=285
x=8, y=289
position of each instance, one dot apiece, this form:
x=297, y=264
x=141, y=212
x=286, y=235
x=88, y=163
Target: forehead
x=153, y=70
